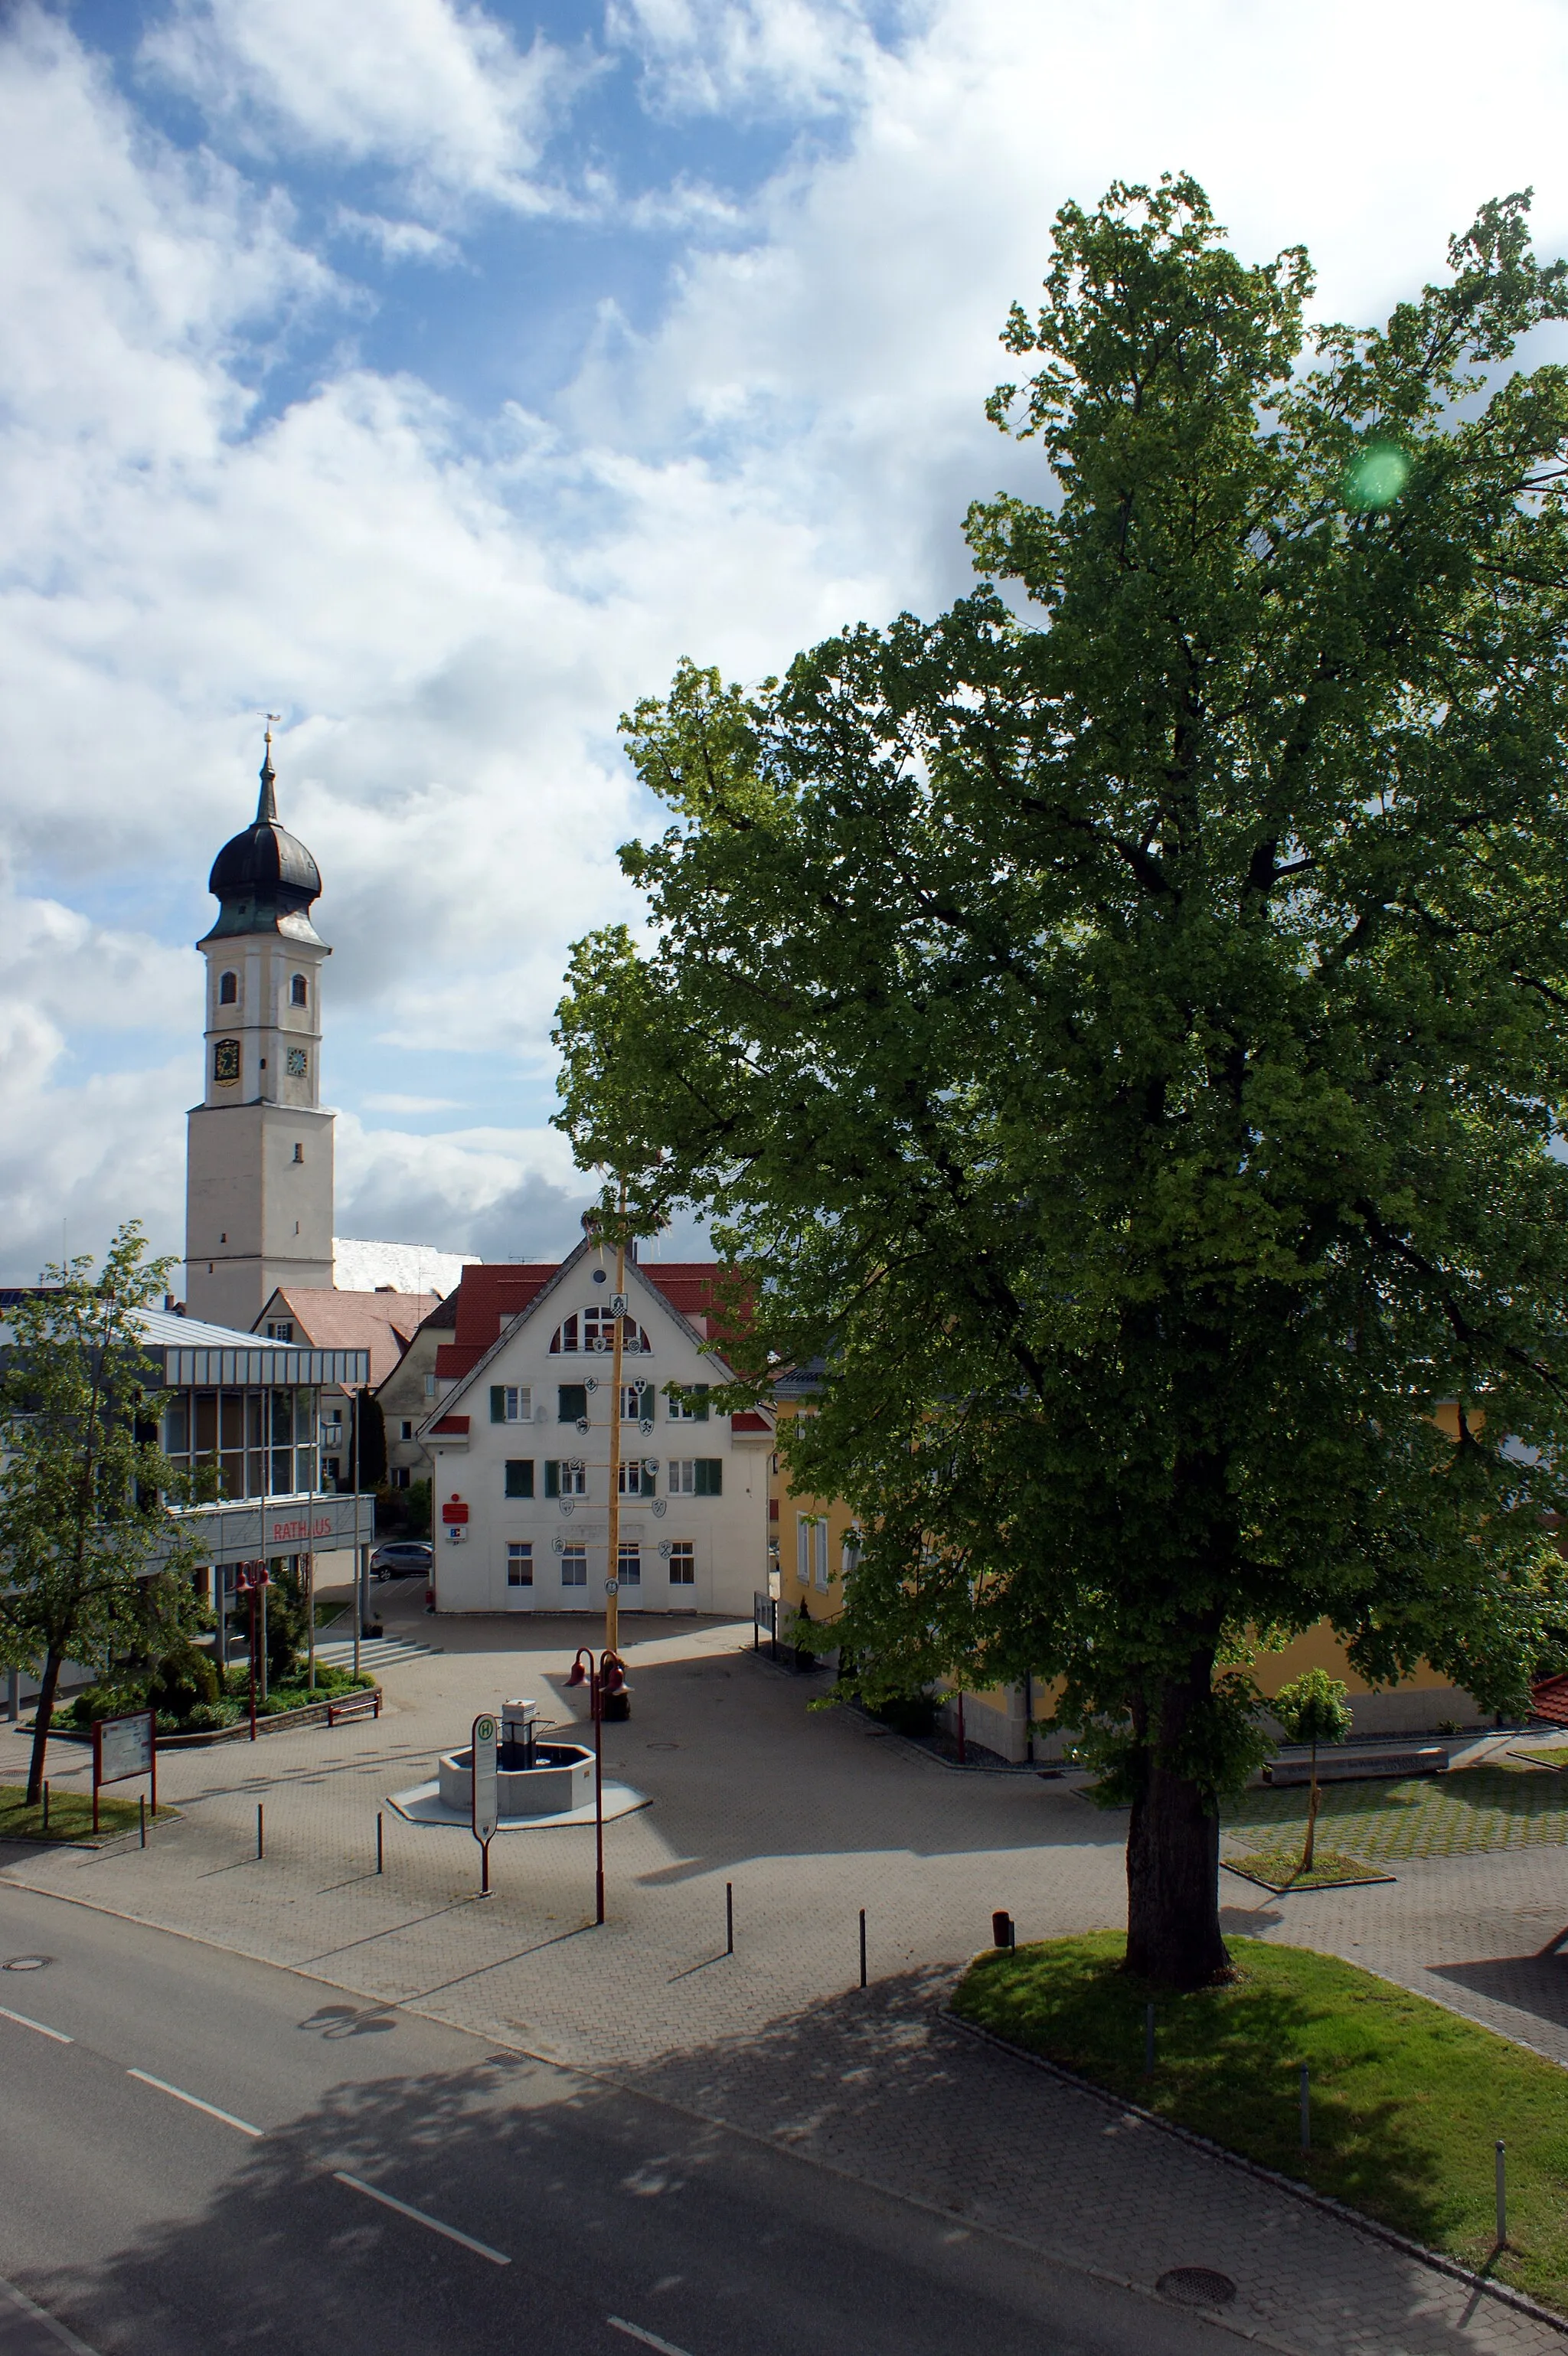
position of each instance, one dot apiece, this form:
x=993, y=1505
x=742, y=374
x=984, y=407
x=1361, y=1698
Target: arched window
x=299, y=992
x=228, y=989
x=594, y=1329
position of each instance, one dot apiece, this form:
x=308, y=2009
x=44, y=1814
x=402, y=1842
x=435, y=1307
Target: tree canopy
x=1119, y=1025
x=91, y=1554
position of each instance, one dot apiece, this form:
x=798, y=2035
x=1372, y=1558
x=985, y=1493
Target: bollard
x=1502, y=2197
x=377, y=1840
x=46, y=1807
x=1306, y=2109
x=729, y=1918
x=862, y=1947
x=1149, y=2040
x=260, y=1830
x=1002, y=1933
x=143, y=1805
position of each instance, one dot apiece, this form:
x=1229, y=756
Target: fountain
x=541, y=1783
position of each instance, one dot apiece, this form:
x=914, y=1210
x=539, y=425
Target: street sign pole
x=486, y=1792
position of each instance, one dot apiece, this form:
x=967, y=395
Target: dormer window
x=299, y=991
x=228, y=989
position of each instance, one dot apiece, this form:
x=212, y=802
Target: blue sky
x=439, y=375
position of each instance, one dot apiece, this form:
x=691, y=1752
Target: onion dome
x=264, y=878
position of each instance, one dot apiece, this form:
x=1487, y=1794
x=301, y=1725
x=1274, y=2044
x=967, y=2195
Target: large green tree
x=1120, y=1025
x=93, y=1562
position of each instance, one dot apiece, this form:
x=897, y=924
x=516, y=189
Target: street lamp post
x=251, y=1576
x=605, y=1675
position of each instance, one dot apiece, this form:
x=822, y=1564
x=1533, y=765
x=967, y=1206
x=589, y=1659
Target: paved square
x=810, y=1815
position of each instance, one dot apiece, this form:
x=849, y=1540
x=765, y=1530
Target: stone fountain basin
x=562, y=1780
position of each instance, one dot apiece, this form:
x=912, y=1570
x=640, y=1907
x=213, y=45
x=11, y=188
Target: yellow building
x=811, y=1544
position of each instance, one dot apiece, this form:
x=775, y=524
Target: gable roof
x=383, y=1324
x=503, y=1295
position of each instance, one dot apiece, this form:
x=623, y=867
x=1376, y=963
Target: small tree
x=85, y=1492
x=1314, y=1707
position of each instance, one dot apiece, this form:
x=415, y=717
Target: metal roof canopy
x=270, y=1364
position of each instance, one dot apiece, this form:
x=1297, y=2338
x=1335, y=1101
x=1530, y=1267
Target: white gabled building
x=520, y=1439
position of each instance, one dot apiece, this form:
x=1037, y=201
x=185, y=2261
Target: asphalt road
x=199, y=2153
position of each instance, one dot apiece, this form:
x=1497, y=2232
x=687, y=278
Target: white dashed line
x=648, y=2339
x=422, y=2217
x=62, y=2332
x=23, y=2022
x=196, y=2102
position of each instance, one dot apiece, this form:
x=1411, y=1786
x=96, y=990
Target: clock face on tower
x=226, y=1061
x=299, y=1063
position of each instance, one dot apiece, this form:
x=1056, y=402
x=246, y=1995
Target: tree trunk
x=1173, y=1852
x=42, y=1722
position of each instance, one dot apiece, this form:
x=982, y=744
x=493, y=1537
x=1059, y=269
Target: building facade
x=520, y=1442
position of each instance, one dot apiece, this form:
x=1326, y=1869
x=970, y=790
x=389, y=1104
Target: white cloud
x=399, y=241
x=439, y=93
x=451, y=609
x=770, y=57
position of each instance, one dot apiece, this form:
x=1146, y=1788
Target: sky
x=437, y=376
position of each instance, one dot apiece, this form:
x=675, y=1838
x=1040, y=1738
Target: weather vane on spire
x=266, y=808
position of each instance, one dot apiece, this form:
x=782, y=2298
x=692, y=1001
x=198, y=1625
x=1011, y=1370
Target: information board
x=123, y=1747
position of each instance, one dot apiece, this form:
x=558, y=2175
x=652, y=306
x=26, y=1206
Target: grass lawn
x=1279, y=1869
x=1407, y=2099
x=70, y=1815
x=1509, y=1806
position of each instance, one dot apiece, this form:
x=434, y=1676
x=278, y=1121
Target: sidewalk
x=810, y=1815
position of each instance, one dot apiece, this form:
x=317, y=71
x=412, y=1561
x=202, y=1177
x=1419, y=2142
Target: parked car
x=401, y=1558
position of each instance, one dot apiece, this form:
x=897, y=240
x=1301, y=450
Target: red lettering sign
x=454, y=1512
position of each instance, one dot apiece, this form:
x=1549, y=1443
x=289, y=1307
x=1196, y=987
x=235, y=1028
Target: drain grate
x=26, y=1963
x=1196, y=2286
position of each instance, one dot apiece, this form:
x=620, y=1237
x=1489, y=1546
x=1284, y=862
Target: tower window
x=228, y=990
x=299, y=991
x=299, y=1153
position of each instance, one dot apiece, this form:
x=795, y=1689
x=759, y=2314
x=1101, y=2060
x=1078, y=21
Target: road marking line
x=422, y=2217
x=196, y=2102
x=648, y=2339
x=23, y=2022
x=63, y=2332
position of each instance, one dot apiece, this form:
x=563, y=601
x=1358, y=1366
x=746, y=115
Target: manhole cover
x=28, y=1963
x=1196, y=2286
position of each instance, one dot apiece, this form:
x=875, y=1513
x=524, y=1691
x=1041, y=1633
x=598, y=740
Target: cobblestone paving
x=810, y=1817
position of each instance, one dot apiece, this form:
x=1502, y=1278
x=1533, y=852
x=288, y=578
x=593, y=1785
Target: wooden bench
x=1354, y=1766
x=355, y=1704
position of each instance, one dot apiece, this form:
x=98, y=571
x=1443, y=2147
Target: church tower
x=258, y=1146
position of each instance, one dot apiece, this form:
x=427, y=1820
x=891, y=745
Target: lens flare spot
x=1377, y=475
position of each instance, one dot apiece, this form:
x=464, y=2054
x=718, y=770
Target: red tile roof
x=383, y=1322
x=489, y=1296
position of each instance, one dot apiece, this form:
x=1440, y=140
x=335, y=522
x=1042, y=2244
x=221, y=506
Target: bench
x=352, y=1706
x=1354, y=1766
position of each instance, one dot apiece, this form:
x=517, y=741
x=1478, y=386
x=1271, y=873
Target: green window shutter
x=571, y=1401
x=647, y=1403
x=551, y=1477
x=702, y=1402
x=709, y=1476
x=519, y=1476
x=497, y=1403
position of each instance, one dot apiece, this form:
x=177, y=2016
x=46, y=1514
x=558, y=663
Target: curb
x=1504, y=2292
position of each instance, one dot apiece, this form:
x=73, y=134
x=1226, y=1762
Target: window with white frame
x=566, y=1477
x=696, y=1476
x=405, y=1428
x=637, y=1477
x=803, y=1548
x=690, y=1405
x=511, y=1403
x=683, y=1563
x=574, y=1566
x=629, y=1567
x=520, y=1563
x=822, y=1555
x=636, y=1402
x=595, y=1330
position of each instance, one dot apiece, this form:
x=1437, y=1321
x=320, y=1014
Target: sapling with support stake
x=1313, y=1708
